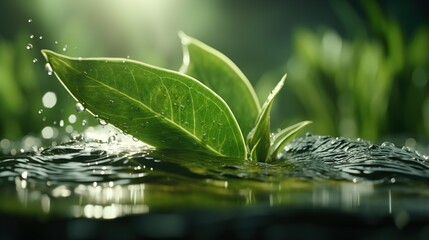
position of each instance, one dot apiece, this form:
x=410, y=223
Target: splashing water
x=95, y=178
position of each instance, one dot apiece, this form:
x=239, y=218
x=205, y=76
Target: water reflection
x=93, y=179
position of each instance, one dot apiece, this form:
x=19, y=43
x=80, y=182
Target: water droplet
x=112, y=139
x=220, y=124
x=79, y=107
x=24, y=175
x=204, y=137
x=48, y=68
x=111, y=102
x=40, y=37
x=35, y=60
x=128, y=56
x=30, y=20
x=182, y=107
x=31, y=36
x=83, y=122
x=72, y=118
x=29, y=46
x=102, y=122
x=186, y=124
x=387, y=144
x=308, y=134
x=65, y=48
x=61, y=123
x=56, y=42
x=372, y=147
x=135, y=139
x=40, y=111
x=407, y=149
x=49, y=99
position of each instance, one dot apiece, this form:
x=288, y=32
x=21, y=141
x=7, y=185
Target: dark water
x=95, y=179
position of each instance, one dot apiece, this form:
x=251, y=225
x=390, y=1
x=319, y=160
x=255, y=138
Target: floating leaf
x=163, y=108
x=258, y=140
x=280, y=139
x=220, y=74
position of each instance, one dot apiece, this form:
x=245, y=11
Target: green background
x=355, y=68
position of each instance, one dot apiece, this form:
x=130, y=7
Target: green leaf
x=258, y=140
x=220, y=74
x=280, y=139
x=163, y=108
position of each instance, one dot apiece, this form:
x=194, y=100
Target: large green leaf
x=259, y=139
x=163, y=108
x=221, y=75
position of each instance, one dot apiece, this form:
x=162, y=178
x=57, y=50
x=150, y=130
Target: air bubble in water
x=29, y=46
x=48, y=68
x=79, y=107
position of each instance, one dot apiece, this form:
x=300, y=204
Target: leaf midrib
x=147, y=108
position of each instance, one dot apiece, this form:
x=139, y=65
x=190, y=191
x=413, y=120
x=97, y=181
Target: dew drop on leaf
x=56, y=42
x=40, y=111
x=40, y=37
x=79, y=107
x=31, y=36
x=29, y=46
x=102, y=122
x=83, y=122
x=48, y=68
x=30, y=20
x=35, y=60
x=182, y=107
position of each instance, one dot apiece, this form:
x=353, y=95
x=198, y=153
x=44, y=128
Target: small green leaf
x=259, y=137
x=280, y=139
x=220, y=74
x=163, y=108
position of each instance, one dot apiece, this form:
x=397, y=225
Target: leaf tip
x=46, y=53
x=185, y=39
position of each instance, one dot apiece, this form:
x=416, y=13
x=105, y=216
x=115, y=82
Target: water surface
x=91, y=178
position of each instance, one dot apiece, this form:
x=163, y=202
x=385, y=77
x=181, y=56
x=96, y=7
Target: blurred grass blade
x=258, y=140
x=163, y=108
x=220, y=74
x=283, y=137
